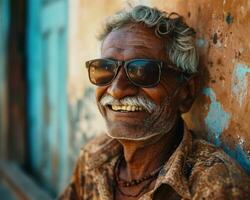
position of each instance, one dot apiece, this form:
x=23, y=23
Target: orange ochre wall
x=221, y=112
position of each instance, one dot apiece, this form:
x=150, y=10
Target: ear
x=188, y=93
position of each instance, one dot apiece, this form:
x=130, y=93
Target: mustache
x=139, y=100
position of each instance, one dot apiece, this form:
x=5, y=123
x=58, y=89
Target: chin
x=139, y=132
x=124, y=131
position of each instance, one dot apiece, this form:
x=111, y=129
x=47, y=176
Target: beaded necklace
x=124, y=183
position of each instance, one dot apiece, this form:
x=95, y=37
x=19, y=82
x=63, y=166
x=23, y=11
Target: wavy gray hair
x=180, y=48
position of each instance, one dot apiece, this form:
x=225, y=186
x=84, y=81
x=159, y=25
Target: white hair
x=180, y=47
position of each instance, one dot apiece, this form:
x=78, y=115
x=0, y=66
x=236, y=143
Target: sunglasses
x=140, y=72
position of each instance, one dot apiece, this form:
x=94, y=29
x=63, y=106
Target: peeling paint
x=241, y=50
x=239, y=82
x=218, y=44
x=216, y=41
x=229, y=18
x=201, y=43
x=215, y=38
x=240, y=155
x=217, y=119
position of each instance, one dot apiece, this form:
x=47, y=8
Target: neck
x=141, y=158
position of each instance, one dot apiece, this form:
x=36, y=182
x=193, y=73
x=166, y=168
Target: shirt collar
x=172, y=173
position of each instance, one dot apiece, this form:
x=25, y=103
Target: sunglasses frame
x=119, y=63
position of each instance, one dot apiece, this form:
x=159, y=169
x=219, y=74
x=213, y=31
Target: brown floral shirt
x=196, y=170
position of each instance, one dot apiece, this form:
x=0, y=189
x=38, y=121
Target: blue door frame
x=47, y=96
x=4, y=29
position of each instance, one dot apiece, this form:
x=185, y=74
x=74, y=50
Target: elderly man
x=146, y=78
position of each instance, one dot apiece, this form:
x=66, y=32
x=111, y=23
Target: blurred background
x=47, y=106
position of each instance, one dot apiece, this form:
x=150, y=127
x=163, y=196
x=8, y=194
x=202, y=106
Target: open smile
x=125, y=113
x=126, y=108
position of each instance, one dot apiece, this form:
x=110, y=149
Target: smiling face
x=135, y=122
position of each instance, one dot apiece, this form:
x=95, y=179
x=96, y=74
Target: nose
x=121, y=86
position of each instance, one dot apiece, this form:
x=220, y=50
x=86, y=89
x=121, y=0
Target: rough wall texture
x=222, y=110
x=223, y=107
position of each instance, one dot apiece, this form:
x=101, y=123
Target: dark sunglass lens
x=143, y=73
x=102, y=71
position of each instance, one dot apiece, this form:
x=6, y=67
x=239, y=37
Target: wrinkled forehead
x=134, y=37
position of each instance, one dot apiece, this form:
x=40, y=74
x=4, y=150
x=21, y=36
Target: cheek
x=99, y=92
x=157, y=94
x=164, y=89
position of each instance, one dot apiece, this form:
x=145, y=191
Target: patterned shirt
x=196, y=170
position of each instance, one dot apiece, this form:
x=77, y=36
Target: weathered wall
x=223, y=107
x=222, y=110
x=84, y=22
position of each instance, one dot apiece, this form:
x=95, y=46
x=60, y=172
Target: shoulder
x=98, y=143
x=82, y=179
x=99, y=150
x=215, y=175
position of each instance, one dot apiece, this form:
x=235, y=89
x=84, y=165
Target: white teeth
x=126, y=108
x=114, y=107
